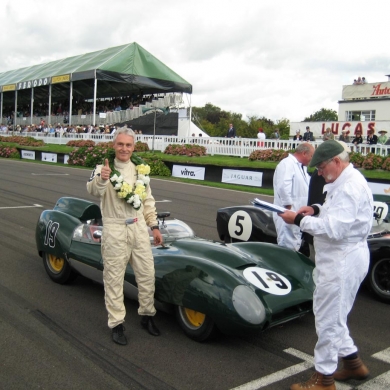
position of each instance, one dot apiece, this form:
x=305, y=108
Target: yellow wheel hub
x=194, y=317
x=57, y=263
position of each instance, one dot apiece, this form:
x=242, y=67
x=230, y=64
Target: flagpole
x=154, y=129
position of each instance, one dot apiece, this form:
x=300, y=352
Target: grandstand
x=109, y=86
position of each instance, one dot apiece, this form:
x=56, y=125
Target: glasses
x=321, y=169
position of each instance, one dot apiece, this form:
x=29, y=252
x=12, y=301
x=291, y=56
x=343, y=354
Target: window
x=360, y=115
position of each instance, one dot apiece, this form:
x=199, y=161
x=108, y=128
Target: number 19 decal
x=51, y=232
x=269, y=281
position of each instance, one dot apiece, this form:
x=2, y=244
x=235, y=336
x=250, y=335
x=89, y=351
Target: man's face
x=307, y=156
x=329, y=169
x=124, y=147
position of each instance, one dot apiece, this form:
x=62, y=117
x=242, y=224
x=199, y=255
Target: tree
x=209, y=112
x=254, y=123
x=284, y=128
x=215, y=122
x=323, y=115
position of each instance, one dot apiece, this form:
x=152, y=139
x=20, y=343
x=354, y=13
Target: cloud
x=278, y=59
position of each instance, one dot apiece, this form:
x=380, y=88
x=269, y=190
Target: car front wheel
x=379, y=279
x=196, y=325
x=58, y=268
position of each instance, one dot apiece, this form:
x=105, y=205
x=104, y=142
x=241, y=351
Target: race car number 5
x=240, y=225
x=268, y=281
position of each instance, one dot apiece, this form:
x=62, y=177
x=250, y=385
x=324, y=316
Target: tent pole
x=1, y=106
x=189, y=122
x=94, y=101
x=16, y=110
x=32, y=106
x=70, y=104
x=154, y=129
x=49, y=118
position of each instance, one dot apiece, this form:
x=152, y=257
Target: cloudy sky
x=275, y=58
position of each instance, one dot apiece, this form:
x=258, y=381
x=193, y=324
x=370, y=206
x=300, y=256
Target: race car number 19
x=268, y=281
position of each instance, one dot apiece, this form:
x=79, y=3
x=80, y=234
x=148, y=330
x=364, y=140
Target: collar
x=295, y=159
x=120, y=164
x=340, y=180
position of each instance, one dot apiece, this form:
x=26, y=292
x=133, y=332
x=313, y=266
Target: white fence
x=239, y=147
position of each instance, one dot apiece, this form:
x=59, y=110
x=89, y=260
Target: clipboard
x=268, y=206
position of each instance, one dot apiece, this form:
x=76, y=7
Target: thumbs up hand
x=106, y=170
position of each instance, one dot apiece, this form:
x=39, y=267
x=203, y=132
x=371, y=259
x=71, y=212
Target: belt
x=130, y=221
x=120, y=221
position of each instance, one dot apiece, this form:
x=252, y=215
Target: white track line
x=20, y=207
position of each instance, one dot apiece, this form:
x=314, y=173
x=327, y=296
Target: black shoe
x=118, y=335
x=148, y=323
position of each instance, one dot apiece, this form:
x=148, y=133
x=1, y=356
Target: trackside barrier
x=238, y=147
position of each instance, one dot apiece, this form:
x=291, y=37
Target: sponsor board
x=66, y=158
x=319, y=128
x=380, y=188
x=49, y=157
x=65, y=78
x=29, y=154
x=33, y=83
x=188, y=172
x=10, y=87
x=246, y=178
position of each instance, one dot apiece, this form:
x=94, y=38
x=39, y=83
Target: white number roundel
x=240, y=225
x=269, y=281
x=380, y=212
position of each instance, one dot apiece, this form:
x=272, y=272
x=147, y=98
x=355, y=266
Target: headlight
x=248, y=305
x=78, y=232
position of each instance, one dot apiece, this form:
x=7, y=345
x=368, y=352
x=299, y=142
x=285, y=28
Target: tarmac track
x=55, y=337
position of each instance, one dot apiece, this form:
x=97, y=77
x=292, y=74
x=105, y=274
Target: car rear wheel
x=58, y=268
x=379, y=279
x=196, y=325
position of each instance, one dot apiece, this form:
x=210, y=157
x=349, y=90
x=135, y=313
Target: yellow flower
x=143, y=169
x=139, y=190
x=132, y=195
x=125, y=190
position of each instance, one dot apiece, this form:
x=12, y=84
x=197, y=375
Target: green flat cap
x=326, y=151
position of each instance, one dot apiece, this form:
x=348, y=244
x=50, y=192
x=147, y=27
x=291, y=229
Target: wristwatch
x=155, y=227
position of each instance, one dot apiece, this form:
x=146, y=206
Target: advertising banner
x=246, y=178
x=188, y=172
x=49, y=157
x=380, y=188
x=29, y=154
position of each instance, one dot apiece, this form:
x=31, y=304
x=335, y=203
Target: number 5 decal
x=267, y=280
x=51, y=231
x=240, y=225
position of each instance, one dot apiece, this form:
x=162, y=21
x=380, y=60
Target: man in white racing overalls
x=340, y=228
x=291, y=187
x=125, y=236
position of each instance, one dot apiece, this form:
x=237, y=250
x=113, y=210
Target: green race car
x=233, y=288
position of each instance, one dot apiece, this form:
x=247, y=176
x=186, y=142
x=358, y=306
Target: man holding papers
x=291, y=186
x=340, y=228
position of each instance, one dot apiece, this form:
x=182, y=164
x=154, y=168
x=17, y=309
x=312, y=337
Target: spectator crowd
x=79, y=107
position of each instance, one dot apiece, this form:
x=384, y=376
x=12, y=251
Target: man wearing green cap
x=340, y=228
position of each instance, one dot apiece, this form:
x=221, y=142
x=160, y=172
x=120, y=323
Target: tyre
x=58, y=269
x=196, y=325
x=379, y=279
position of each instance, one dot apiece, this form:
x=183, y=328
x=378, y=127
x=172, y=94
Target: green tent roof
x=120, y=71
